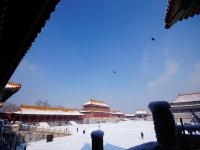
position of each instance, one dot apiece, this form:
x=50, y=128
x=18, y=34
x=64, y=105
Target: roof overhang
x=177, y=10
x=8, y=91
x=20, y=23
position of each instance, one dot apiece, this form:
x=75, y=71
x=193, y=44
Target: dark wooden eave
x=177, y=10
x=10, y=89
x=20, y=23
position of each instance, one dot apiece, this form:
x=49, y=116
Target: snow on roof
x=117, y=113
x=12, y=85
x=96, y=102
x=141, y=112
x=187, y=97
x=129, y=115
x=33, y=112
x=43, y=124
x=40, y=110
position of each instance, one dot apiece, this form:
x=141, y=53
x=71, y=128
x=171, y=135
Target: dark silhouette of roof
x=177, y=10
x=9, y=90
x=20, y=23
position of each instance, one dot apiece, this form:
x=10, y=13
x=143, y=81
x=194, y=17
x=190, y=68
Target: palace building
x=118, y=114
x=130, y=116
x=141, y=114
x=96, y=112
x=54, y=116
x=186, y=106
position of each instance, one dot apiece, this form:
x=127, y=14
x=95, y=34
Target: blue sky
x=73, y=59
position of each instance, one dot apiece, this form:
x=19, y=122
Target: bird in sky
x=153, y=39
x=114, y=71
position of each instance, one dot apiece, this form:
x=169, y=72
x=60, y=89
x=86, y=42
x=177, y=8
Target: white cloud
x=171, y=68
x=29, y=69
x=27, y=66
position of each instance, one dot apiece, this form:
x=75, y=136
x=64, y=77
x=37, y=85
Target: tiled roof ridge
x=14, y=83
x=45, y=108
x=96, y=102
x=178, y=10
x=168, y=10
x=191, y=93
x=186, y=97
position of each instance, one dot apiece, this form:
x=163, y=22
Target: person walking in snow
x=99, y=125
x=142, y=135
x=77, y=130
x=84, y=131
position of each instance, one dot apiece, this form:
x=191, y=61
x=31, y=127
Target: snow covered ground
x=117, y=136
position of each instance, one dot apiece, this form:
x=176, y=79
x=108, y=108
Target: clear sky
x=84, y=41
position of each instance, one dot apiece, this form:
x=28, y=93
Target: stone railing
x=189, y=129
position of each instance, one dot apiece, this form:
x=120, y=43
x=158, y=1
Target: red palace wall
x=94, y=107
x=92, y=115
x=45, y=118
